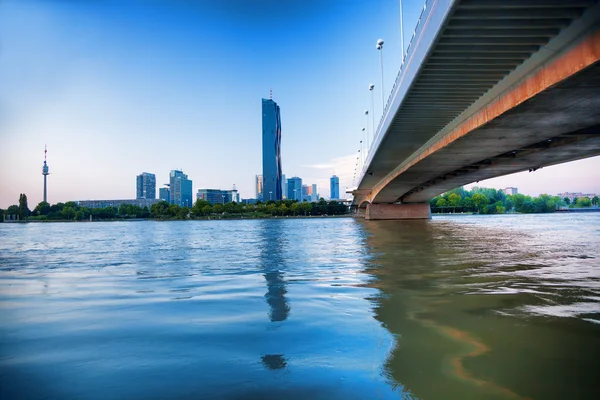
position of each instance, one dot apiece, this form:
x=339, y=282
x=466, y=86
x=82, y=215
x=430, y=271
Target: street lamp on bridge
x=371, y=87
x=380, y=48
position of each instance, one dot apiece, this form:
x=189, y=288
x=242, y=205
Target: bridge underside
x=560, y=124
x=504, y=87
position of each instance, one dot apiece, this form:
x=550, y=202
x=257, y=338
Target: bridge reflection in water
x=473, y=309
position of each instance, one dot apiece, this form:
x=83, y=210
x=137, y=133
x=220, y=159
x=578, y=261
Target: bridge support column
x=398, y=211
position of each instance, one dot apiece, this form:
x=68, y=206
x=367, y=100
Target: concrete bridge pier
x=398, y=211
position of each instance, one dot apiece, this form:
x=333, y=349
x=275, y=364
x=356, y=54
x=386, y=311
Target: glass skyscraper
x=180, y=189
x=334, y=187
x=146, y=186
x=294, y=190
x=259, y=187
x=271, y=151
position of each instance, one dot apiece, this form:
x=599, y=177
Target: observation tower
x=45, y=173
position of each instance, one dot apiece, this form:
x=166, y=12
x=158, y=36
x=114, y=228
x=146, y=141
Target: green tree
x=480, y=201
x=454, y=201
x=583, y=202
x=595, y=200
x=282, y=209
x=23, y=209
x=294, y=208
x=527, y=206
x=229, y=208
x=207, y=209
x=567, y=200
x=183, y=213
x=217, y=208
x=467, y=203
x=271, y=208
x=68, y=213
x=198, y=207
x=160, y=209
x=42, y=208
x=306, y=208
x=174, y=210
x=441, y=202
x=12, y=210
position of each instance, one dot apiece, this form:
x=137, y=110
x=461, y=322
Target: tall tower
x=45, y=173
x=271, y=150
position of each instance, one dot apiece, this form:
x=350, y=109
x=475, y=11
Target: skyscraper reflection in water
x=273, y=242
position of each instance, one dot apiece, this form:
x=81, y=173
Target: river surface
x=463, y=307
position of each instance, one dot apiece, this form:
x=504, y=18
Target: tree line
x=492, y=201
x=71, y=211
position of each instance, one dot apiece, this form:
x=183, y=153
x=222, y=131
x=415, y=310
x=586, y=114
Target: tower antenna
x=271, y=93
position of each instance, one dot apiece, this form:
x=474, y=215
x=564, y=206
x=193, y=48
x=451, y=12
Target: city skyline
x=108, y=105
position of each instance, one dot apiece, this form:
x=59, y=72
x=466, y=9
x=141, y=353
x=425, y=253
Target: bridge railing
x=408, y=55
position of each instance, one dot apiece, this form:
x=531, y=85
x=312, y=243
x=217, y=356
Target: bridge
x=487, y=88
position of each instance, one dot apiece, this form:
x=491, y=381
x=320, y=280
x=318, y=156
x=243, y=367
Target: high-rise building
x=146, y=186
x=218, y=196
x=314, y=196
x=271, y=150
x=334, y=187
x=163, y=194
x=180, y=189
x=259, y=186
x=283, y=187
x=294, y=189
x=510, y=191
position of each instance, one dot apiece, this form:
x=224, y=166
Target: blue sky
x=115, y=88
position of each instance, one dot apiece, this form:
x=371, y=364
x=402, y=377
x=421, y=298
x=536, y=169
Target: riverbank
x=202, y=218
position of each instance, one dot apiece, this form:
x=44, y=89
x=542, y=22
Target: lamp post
x=371, y=87
x=401, y=34
x=367, y=125
x=380, y=48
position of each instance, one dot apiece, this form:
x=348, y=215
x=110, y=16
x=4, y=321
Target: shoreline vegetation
x=163, y=211
x=456, y=201
x=491, y=201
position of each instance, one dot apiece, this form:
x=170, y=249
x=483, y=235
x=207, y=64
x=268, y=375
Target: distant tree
x=271, y=208
x=12, y=210
x=583, y=202
x=160, y=209
x=198, y=207
x=23, y=209
x=282, y=209
x=42, y=208
x=294, y=208
x=229, y=208
x=174, y=210
x=454, y=200
x=183, y=213
x=441, y=203
x=527, y=206
x=68, y=213
x=467, y=203
x=480, y=201
x=595, y=200
x=508, y=203
x=218, y=208
x=500, y=209
x=306, y=208
x=207, y=209
x=567, y=200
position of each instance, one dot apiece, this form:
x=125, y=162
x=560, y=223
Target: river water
x=464, y=307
